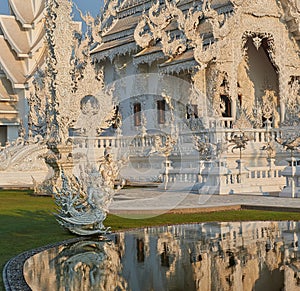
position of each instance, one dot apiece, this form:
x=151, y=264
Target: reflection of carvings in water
x=86, y=265
x=208, y=256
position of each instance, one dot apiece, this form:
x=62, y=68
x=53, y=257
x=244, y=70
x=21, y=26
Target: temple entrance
x=262, y=75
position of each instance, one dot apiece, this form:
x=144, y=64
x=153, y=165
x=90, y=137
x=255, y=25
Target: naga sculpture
x=83, y=202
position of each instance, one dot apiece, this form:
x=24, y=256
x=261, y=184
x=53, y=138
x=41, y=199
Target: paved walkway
x=141, y=200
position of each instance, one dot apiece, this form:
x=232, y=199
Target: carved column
x=283, y=73
x=199, y=80
x=233, y=89
x=283, y=89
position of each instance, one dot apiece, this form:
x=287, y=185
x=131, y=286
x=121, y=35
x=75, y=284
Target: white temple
x=223, y=73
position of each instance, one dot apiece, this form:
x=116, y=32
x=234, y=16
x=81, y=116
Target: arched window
x=161, y=108
x=137, y=108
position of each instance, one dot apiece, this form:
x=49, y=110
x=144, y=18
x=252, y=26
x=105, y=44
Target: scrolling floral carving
x=152, y=28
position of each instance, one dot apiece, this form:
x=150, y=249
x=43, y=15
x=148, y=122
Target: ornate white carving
x=269, y=107
x=270, y=150
x=257, y=42
x=242, y=122
x=142, y=38
x=84, y=201
x=65, y=89
x=152, y=28
x=109, y=13
x=76, y=98
x=23, y=155
x=37, y=122
x=250, y=19
x=204, y=147
x=172, y=47
x=238, y=141
x=293, y=102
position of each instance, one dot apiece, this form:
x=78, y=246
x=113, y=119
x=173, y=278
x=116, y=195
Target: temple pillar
x=283, y=80
x=199, y=80
x=233, y=108
x=232, y=72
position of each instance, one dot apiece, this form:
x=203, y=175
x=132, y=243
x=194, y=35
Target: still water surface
x=207, y=256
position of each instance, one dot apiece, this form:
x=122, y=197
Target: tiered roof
x=21, y=41
x=27, y=12
x=22, y=51
x=8, y=110
x=119, y=37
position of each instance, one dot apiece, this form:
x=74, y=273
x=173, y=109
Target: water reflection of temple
x=208, y=256
x=225, y=256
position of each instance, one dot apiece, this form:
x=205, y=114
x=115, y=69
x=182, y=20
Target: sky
x=93, y=6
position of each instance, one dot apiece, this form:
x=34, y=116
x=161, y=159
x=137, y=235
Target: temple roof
x=22, y=40
x=148, y=55
x=119, y=39
x=122, y=25
x=148, y=50
x=28, y=12
x=17, y=70
x=114, y=47
x=182, y=62
x=11, y=65
x=15, y=34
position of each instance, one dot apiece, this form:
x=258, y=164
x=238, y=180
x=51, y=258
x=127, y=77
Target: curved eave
x=27, y=11
x=39, y=16
x=183, y=62
x=39, y=58
x=23, y=10
x=148, y=55
x=11, y=65
x=111, y=53
x=111, y=48
x=16, y=36
x=38, y=41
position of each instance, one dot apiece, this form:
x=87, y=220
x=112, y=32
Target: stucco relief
x=246, y=89
x=293, y=102
x=270, y=106
x=70, y=74
x=152, y=28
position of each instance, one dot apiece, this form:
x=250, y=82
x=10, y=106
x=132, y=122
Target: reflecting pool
x=207, y=256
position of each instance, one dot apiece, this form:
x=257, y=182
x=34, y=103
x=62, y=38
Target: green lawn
x=27, y=222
